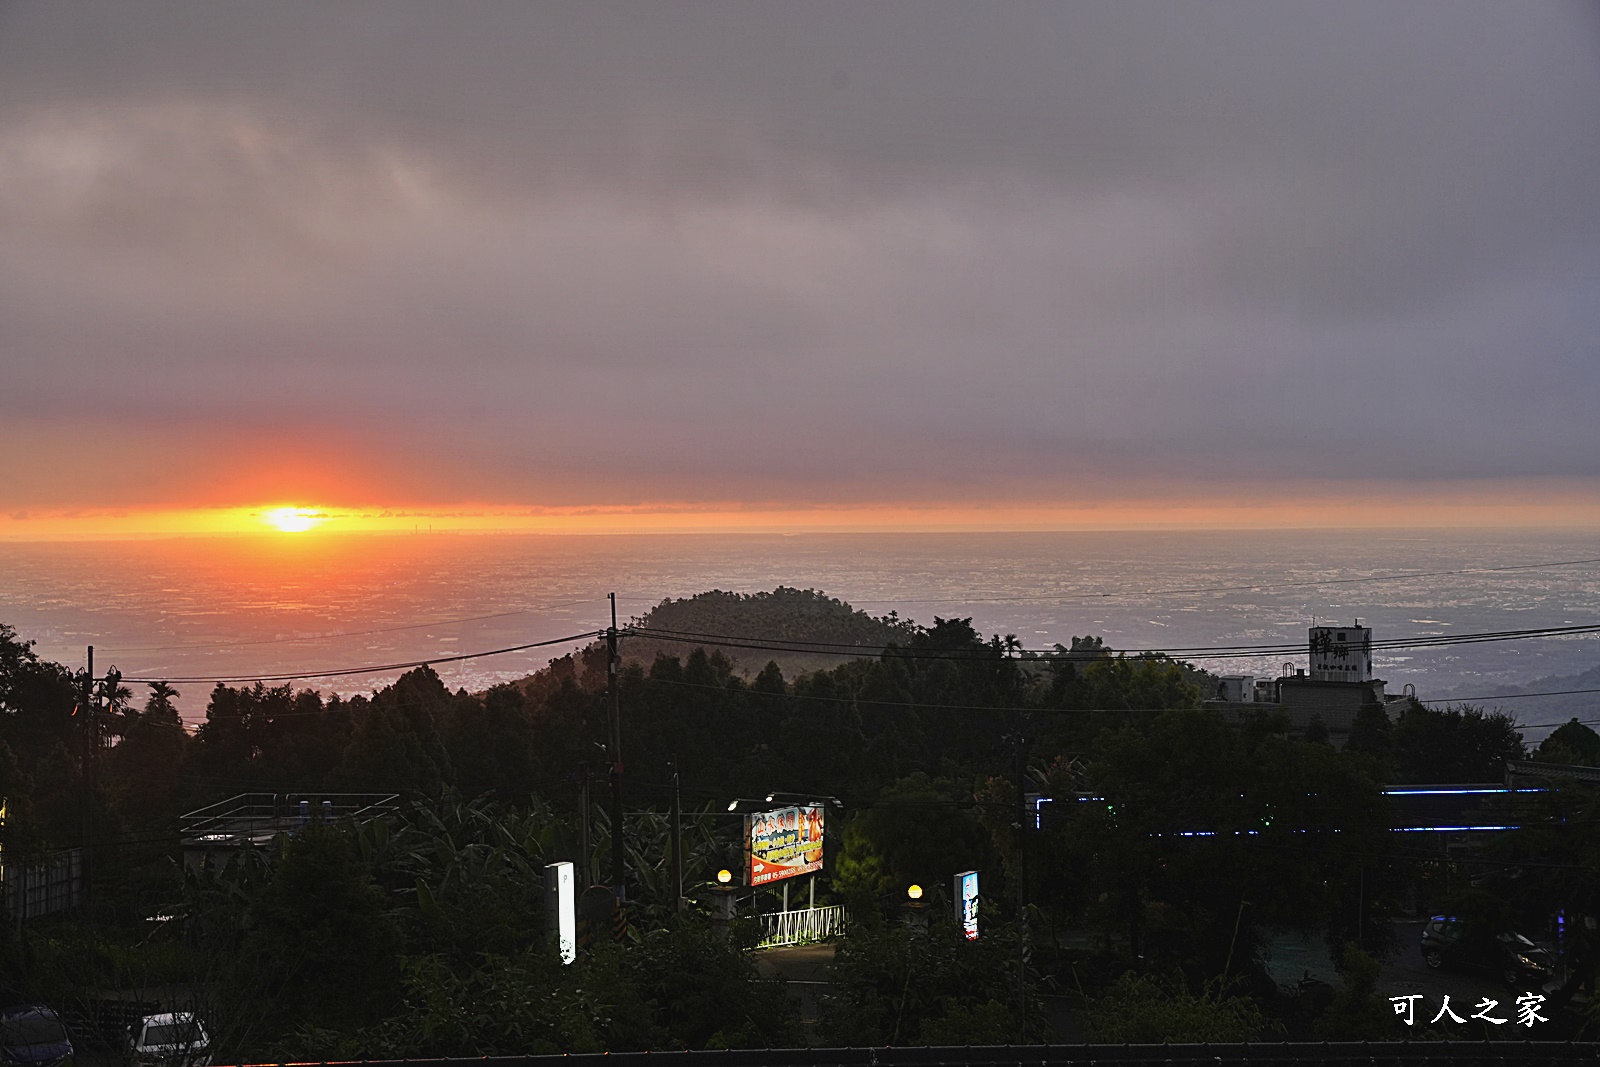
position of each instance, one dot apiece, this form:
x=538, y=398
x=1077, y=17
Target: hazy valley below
x=242, y=607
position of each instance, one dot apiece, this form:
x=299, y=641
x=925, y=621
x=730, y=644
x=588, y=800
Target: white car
x=176, y=1039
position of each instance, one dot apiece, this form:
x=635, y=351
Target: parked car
x=32, y=1035
x=173, y=1039
x=1453, y=942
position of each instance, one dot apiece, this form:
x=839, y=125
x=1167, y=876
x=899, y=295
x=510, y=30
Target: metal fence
x=801, y=927
x=261, y=815
x=213, y=835
x=1265, y=1054
x=45, y=886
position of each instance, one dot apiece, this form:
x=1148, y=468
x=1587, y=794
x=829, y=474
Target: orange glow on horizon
x=1417, y=510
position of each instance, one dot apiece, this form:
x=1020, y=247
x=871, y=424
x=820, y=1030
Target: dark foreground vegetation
x=1137, y=904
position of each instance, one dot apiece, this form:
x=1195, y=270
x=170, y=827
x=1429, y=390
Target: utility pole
x=1022, y=885
x=88, y=722
x=91, y=747
x=618, y=885
x=585, y=866
x=677, y=844
x=1361, y=909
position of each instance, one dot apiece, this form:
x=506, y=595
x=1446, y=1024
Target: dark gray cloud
x=826, y=251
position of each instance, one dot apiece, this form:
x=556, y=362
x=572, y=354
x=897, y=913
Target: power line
x=1189, y=652
x=352, y=671
x=1542, y=725
x=853, y=650
x=1511, y=696
x=349, y=633
x=788, y=694
x=1248, y=588
x=844, y=649
x=374, y=668
x=1252, y=587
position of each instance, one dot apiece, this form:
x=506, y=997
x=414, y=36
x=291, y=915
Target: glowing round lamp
x=914, y=892
x=724, y=876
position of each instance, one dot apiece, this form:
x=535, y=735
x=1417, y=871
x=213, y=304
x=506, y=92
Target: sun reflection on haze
x=293, y=520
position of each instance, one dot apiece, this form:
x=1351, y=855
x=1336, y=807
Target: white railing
x=801, y=927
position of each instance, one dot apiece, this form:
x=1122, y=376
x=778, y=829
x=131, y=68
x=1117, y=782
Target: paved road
x=1407, y=974
x=805, y=966
x=1292, y=956
x=797, y=963
x=806, y=969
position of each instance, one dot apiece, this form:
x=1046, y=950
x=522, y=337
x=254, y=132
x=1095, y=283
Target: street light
x=806, y=799
x=812, y=799
x=914, y=892
x=724, y=876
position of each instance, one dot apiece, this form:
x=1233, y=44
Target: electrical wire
x=1511, y=696
x=839, y=648
x=371, y=669
x=1253, y=587
x=1193, y=652
x=1045, y=709
x=350, y=633
x=790, y=695
x=798, y=646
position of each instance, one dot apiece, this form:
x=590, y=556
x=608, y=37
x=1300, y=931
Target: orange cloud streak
x=1436, y=510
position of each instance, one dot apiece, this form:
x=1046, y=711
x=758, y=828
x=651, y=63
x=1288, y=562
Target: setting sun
x=292, y=520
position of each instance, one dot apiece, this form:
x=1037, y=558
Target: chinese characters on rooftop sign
x=1341, y=653
x=783, y=843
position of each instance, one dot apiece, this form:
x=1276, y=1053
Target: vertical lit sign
x=965, y=895
x=561, y=908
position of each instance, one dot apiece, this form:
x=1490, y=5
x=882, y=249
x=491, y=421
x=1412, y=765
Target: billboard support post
x=613, y=664
x=678, y=902
x=1022, y=884
x=583, y=822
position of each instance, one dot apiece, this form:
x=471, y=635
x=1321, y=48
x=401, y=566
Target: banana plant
x=647, y=852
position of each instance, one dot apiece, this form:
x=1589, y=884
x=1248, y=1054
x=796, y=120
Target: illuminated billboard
x=561, y=909
x=965, y=896
x=783, y=843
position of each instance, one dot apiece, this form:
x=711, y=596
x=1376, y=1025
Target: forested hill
x=784, y=615
x=1562, y=696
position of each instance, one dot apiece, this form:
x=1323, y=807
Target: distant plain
x=279, y=604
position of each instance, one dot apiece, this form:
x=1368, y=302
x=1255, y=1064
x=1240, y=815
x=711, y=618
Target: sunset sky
x=797, y=265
